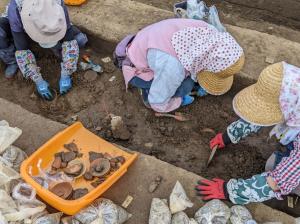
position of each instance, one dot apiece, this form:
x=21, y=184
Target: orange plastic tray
x=86, y=141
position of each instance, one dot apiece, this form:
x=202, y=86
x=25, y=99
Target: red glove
x=217, y=141
x=212, y=189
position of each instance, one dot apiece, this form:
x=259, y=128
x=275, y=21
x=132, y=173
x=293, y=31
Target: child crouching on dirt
x=7, y=48
x=46, y=23
x=273, y=100
x=166, y=59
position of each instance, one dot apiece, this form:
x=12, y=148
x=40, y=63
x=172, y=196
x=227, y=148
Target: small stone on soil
x=90, y=75
x=149, y=145
x=154, y=184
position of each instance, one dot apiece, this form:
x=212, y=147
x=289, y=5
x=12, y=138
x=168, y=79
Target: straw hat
x=44, y=21
x=220, y=83
x=259, y=103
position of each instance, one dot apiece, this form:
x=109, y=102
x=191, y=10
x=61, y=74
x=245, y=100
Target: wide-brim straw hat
x=259, y=103
x=220, y=83
x=44, y=21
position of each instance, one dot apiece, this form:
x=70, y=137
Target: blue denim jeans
x=186, y=87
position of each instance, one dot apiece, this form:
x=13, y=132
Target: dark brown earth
x=184, y=144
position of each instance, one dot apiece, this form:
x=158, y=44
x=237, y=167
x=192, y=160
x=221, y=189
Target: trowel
x=212, y=154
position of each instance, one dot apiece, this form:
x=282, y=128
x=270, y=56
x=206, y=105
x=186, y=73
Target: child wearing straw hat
x=273, y=100
x=168, y=59
x=46, y=23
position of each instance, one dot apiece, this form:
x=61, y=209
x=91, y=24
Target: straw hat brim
x=255, y=110
x=213, y=84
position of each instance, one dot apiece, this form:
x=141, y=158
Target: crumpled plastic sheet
x=13, y=157
x=8, y=135
x=180, y=218
x=48, y=218
x=103, y=211
x=213, y=212
x=239, y=214
x=7, y=174
x=178, y=199
x=14, y=210
x=159, y=212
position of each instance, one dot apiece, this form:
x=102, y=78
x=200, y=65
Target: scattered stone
x=33, y=96
x=74, y=118
x=112, y=78
x=208, y=130
x=149, y=145
x=90, y=75
x=155, y=184
x=119, y=129
x=106, y=59
x=79, y=193
x=270, y=60
x=95, y=155
x=88, y=176
x=98, y=128
x=170, y=129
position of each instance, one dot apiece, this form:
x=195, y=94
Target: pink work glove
x=217, y=141
x=212, y=189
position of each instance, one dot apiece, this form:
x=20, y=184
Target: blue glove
x=43, y=89
x=187, y=100
x=65, y=84
x=200, y=91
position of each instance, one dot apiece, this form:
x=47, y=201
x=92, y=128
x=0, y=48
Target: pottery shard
x=88, y=176
x=97, y=182
x=56, y=163
x=73, y=169
x=68, y=156
x=79, y=193
x=121, y=159
x=95, y=155
x=72, y=147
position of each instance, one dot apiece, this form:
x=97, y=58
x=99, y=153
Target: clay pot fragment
x=75, y=168
x=121, y=159
x=95, y=155
x=64, y=165
x=100, y=167
x=63, y=190
x=72, y=147
x=79, y=193
x=97, y=182
x=68, y=156
x=56, y=163
x=88, y=176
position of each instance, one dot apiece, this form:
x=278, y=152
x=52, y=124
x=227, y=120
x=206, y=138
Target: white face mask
x=48, y=45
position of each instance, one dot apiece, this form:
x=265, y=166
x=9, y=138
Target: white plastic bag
x=23, y=193
x=180, y=218
x=8, y=135
x=159, y=212
x=103, y=211
x=193, y=221
x=239, y=215
x=13, y=157
x=7, y=174
x=179, y=200
x=48, y=219
x=214, y=211
x=7, y=204
x=2, y=219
